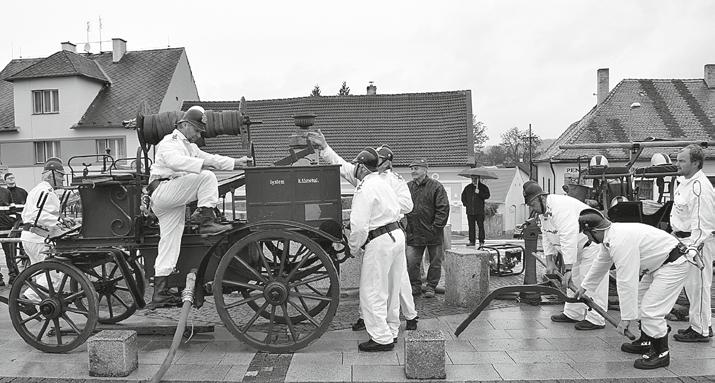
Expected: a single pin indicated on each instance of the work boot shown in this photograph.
(372, 346)
(359, 325)
(640, 346)
(586, 325)
(562, 318)
(162, 297)
(658, 356)
(685, 330)
(206, 219)
(690, 336)
(411, 324)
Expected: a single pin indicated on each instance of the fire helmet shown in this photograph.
(598, 161)
(54, 164)
(384, 152)
(532, 190)
(195, 116)
(660, 159)
(616, 200)
(592, 220)
(367, 157)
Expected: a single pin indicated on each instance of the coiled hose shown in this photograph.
(187, 297)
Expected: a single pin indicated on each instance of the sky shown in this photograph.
(525, 62)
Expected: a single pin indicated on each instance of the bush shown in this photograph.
(490, 209)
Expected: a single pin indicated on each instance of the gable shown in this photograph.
(415, 125)
(7, 98)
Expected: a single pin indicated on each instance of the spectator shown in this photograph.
(12, 195)
(473, 197)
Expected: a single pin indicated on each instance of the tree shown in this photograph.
(492, 156)
(516, 145)
(479, 130)
(344, 90)
(315, 91)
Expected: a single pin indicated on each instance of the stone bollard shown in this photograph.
(113, 353)
(466, 276)
(424, 355)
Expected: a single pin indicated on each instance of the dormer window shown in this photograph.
(45, 101)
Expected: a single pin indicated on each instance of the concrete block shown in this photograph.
(113, 353)
(466, 276)
(424, 355)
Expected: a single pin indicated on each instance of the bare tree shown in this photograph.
(479, 130)
(315, 91)
(516, 144)
(344, 90)
(492, 156)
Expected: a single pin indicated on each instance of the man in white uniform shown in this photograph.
(398, 184)
(34, 232)
(559, 229)
(181, 174)
(638, 251)
(693, 222)
(375, 228)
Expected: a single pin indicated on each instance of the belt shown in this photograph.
(382, 230)
(155, 184)
(674, 255)
(682, 234)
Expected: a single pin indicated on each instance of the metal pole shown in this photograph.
(531, 161)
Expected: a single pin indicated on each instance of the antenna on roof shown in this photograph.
(100, 34)
(168, 42)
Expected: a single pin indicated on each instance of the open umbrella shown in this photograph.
(481, 172)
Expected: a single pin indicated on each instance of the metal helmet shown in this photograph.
(616, 200)
(592, 220)
(196, 116)
(660, 159)
(54, 164)
(367, 157)
(384, 152)
(598, 161)
(532, 190)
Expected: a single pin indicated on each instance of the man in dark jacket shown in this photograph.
(425, 226)
(473, 197)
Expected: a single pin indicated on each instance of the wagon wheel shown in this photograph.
(56, 307)
(298, 284)
(115, 302)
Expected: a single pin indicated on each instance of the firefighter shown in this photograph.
(693, 222)
(559, 227)
(374, 223)
(347, 170)
(638, 251)
(181, 174)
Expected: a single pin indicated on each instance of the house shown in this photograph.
(436, 126)
(70, 104)
(635, 110)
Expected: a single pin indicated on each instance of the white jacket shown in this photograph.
(176, 156)
(559, 226)
(50, 211)
(694, 207)
(375, 204)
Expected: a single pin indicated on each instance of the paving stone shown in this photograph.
(425, 355)
(529, 371)
(581, 343)
(379, 374)
(481, 372)
(623, 369)
(323, 372)
(516, 324)
(695, 367)
(477, 357)
(370, 358)
(112, 353)
(512, 344)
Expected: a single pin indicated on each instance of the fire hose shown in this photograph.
(545, 288)
(187, 296)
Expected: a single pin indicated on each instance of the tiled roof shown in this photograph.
(670, 109)
(429, 125)
(7, 101)
(139, 76)
(61, 64)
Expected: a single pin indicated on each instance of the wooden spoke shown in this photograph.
(244, 285)
(252, 298)
(305, 314)
(255, 316)
(42, 330)
(250, 269)
(316, 278)
(71, 323)
(291, 329)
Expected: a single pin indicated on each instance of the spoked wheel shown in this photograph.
(280, 274)
(115, 302)
(69, 314)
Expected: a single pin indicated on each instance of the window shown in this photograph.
(115, 146)
(45, 101)
(45, 150)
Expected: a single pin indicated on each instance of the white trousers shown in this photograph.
(660, 292)
(698, 287)
(407, 302)
(35, 251)
(383, 265)
(168, 202)
(579, 311)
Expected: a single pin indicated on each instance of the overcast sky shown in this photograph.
(524, 61)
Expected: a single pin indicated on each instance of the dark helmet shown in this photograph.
(196, 116)
(384, 152)
(532, 190)
(592, 219)
(54, 164)
(367, 157)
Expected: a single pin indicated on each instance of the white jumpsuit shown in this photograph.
(559, 228)
(181, 161)
(639, 249)
(34, 244)
(398, 184)
(374, 205)
(694, 212)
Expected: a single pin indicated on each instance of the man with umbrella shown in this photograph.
(473, 197)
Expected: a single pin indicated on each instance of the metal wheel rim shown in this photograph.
(64, 319)
(306, 265)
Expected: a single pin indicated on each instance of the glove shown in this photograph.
(580, 293)
(623, 326)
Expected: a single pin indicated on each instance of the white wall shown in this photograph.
(181, 88)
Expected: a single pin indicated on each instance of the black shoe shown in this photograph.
(411, 324)
(639, 346)
(372, 346)
(658, 356)
(162, 297)
(562, 318)
(586, 325)
(685, 330)
(470, 244)
(690, 337)
(359, 325)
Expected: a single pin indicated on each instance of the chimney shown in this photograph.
(119, 48)
(602, 85)
(371, 89)
(68, 46)
(710, 76)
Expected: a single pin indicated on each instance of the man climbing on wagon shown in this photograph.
(182, 173)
